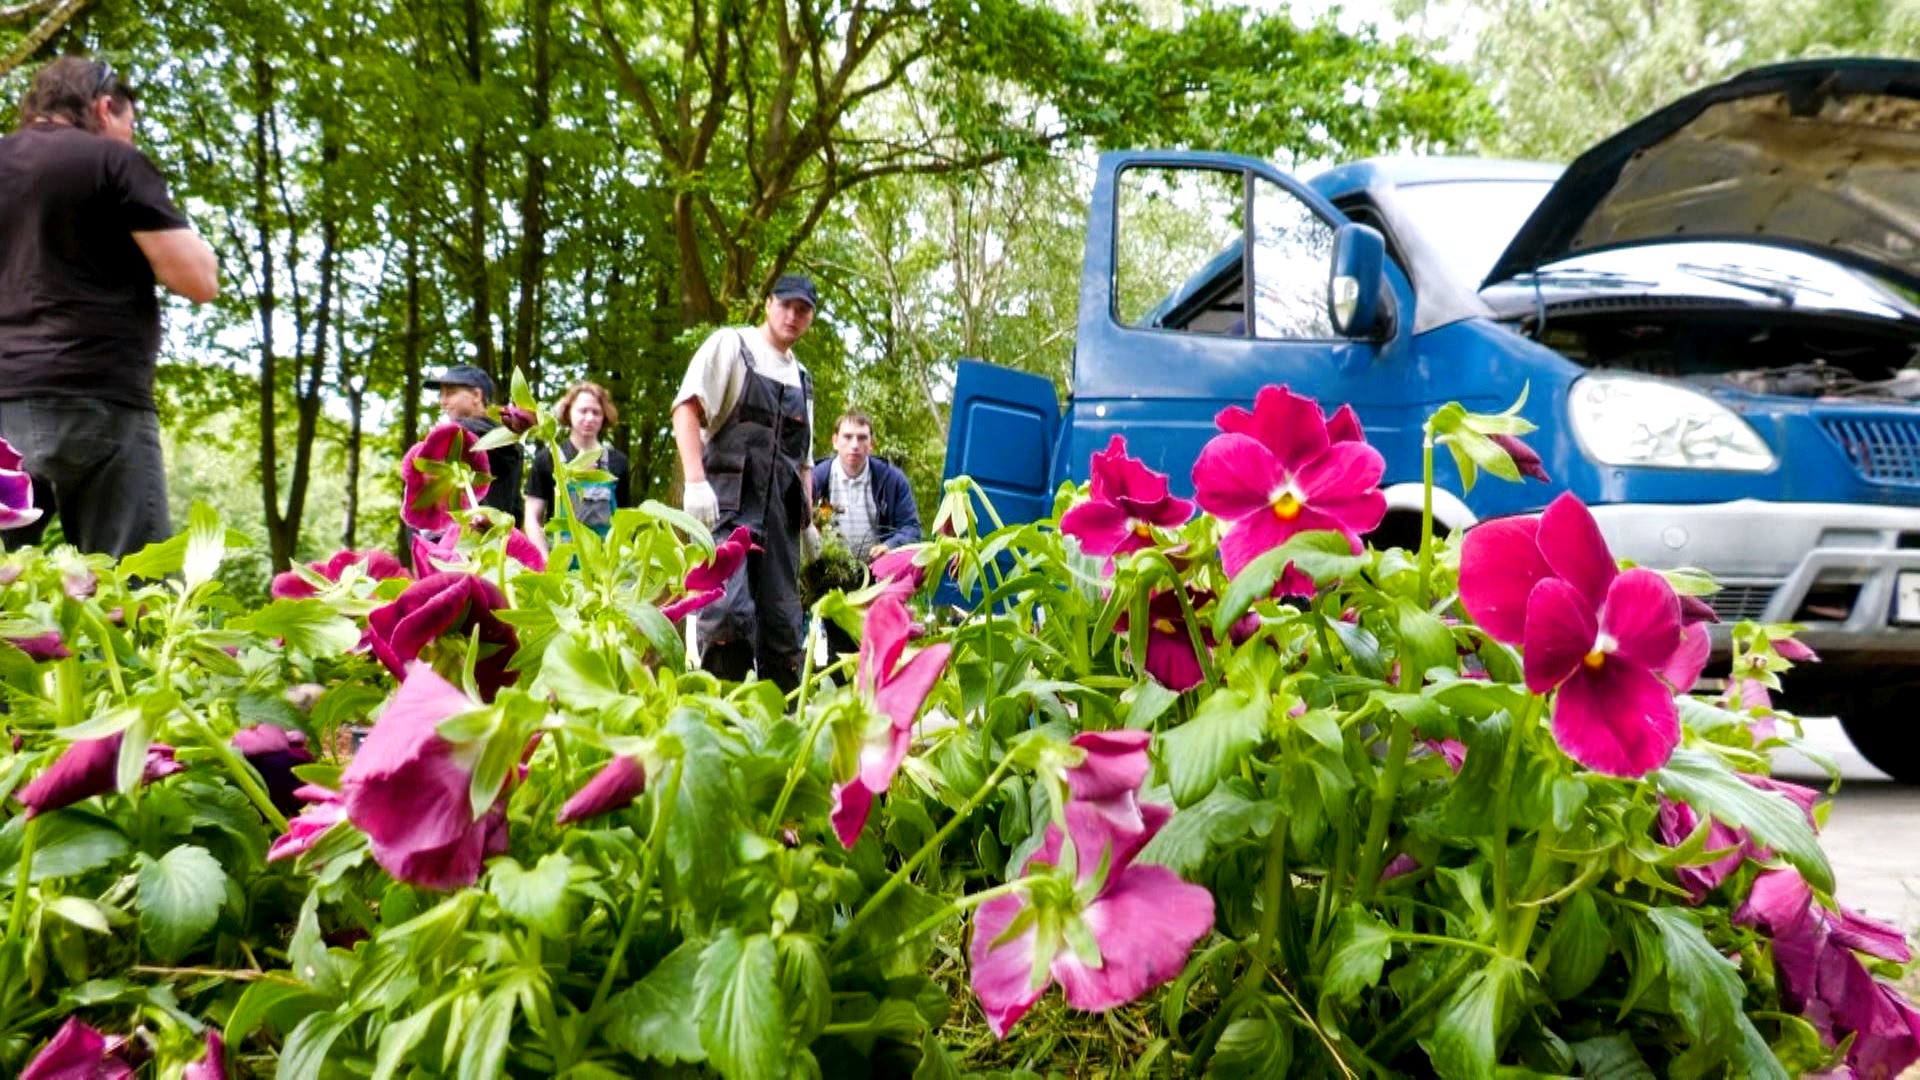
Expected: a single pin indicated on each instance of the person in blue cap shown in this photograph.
(465, 391)
(743, 423)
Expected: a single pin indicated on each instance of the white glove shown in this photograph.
(700, 501)
(810, 544)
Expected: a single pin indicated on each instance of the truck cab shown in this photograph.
(1712, 313)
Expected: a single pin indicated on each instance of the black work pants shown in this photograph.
(758, 625)
(100, 467)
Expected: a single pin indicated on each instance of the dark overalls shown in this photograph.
(755, 462)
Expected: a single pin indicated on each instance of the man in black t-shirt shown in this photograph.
(465, 391)
(86, 230)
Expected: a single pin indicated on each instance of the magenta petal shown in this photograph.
(9, 457)
(1167, 512)
(1344, 426)
(1682, 669)
(1570, 541)
(1779, 904)
(213, 1064)
(690, 603)
(1619, 719)
(1500, 563)
(1870, 936)
(41, 647)
(1116, 763)
(1561, 632)
(76, 1052)
(1642, 616)
(1291, 426)
(1524, 457)
(407, 792)
(83, 770)
(852, 802)
(1401, 864)
(898, 565)
(1790, 649)
(289, 585)
(1254, 536)
(1002, 971)
(305, 830)
(728, 555)
(1116, 476)
(1891, 1041)
(1172, 661)
(521, 550)
(1113, 832)
(1354, 514)
(882, 639)
(612, 788)
(1236, 477)
(1345, 470)
(1146, 921)
(903, 692)
(1101, 527)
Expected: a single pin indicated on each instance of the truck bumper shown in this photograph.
(1834, 568)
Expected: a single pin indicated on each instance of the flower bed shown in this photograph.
(1228, 793)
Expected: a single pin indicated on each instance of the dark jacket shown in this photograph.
(896, 519)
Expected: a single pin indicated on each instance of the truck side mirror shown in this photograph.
(1356, 289)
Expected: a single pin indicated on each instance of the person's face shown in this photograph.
(585, 416)
(461, 402)
(787, 320)
(114, 125)
(854, 444)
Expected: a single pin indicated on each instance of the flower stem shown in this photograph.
(1502, 806)
(656, 840)
(1426, 516)
(1446, 943)
(1373, 851)
(22, 881)
(798, 766)
(237, 767)
(907, 868)
(928, 924)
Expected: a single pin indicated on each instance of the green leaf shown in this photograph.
(180, 895)
(742, 1015)
(206, 545)
(270, 1001)
(536, 897)
(69, 843)
(804, 985)
(1466, 1040)
(1576, 948)
(81, 912)
(688, 525)
(1191, 836)
(1360, 947)
(308, 626)
(935, 1062)
(1704, 986)
(306, 1051)
(702, 825)
(1199, 752)
(400, 1037)
(484, 1056)
(1147, 702)
(1253, 1047)
(657, 1018)
(130, 767)
(576, 673)
(1611, 1057)
(663, 634)
(1425, 641)
(1323, 556)
(1702, 782)
(111, 722)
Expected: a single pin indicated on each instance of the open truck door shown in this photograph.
(1002, 433)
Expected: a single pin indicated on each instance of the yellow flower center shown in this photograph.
(1287, 507)
(1143, 530)
(1165, 626)
(1595, 660)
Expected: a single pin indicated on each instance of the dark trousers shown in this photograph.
(757, 626)
(98, 465)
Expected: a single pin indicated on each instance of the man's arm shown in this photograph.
(688, 419)
(182, 262)
(902, 512)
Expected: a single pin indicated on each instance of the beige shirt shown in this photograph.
(716, 376)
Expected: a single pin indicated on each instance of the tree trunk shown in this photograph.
(265, 304)
(480, 325)
(410, 358)
(533, 222)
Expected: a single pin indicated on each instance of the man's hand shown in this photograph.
(876, 551)
(700, 501)
(810, 544)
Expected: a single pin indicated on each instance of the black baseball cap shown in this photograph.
(796, 287)
(464, 375)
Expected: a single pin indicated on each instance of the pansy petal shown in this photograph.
(1344, 426)
(1354, 515)
(1101, 527)
(1254, 536)
(1172, 661)
(882, 640)
(1870, 936)
(1779, 903)
(1167, 512)
(1002, 975)
(1618, 719)
(1561, 631)
(1344, 471)
(1500, 563)
(1146, 922)
(852, 801)
(1642, 616)
(1571, 542)
(1115, 762)
(1682, 670)
(1291, 426)
(1235, 477)
(903, 692)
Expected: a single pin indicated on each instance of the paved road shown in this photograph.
(1870, 835)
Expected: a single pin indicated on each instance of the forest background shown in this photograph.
(583, 188)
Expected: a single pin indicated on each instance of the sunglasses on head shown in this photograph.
(106, 82)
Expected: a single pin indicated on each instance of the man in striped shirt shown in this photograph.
(873, 507)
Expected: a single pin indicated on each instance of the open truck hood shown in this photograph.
(1823, 156)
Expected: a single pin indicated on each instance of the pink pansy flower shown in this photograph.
(1125, 502)
(434, 552)
(212, 1065)
(427, 498)
(1678, 821)
(42, 647)
(1524, 457)
(896, 689)
(1105, 928)
(80, 583)
(407, 788)
(1822, 978)
(16, 491)
(1113, 766)
(274, 752)
(375, 564)
(896, 568)
(86, 769)
(78, 1052)
(1170, 656)
(1604, 639)
(1277, 472)
(1453, 750)
(707, 583)
(617, 784)
(449, 603)
(324, 810)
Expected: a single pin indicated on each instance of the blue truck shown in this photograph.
(1715, 314)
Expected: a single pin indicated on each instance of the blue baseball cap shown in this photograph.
(796, 287)
(464, 375)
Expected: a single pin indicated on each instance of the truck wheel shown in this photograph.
(1876, 721)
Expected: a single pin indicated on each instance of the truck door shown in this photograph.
(1002, 434)
(1206, 279)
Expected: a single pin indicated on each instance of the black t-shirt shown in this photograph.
(504, 463)
(594, 503)
(78, 314)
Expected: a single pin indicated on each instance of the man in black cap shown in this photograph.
(465, 391)
(743, 423)
(87, 229)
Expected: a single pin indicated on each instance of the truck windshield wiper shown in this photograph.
(1782, 287)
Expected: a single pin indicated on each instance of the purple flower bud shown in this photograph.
(1523, 457)
(86, 770)
(213, 1066)
(516, 419)
(77, 1052)
(274, 752)
(47, 646)
(616, 785)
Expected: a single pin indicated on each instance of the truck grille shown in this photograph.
(1734, 603)
(1885, 451)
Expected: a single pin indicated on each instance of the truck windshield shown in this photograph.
(1469, 223)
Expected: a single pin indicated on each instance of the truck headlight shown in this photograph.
(1625, 420)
